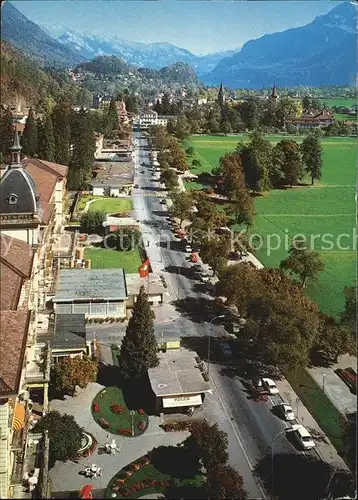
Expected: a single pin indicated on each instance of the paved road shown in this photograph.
(251, 426)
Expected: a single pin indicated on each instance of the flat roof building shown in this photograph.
(99, 293)
(178, 381)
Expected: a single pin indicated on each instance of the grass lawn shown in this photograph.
(84, 199)
(104, 258)
(116, 421)
(340, 102)
(312, 396)
(346, 118)
(325, 210)
(112, 205)
(150, 472)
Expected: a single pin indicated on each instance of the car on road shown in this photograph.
(163, 201)
(225, 349)
(203, 277)
(188, 248)
(269, 385)
(136, 186)
(303, 437)
(285, 411)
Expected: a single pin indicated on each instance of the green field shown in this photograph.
(345, 118)
(339, 102)
(325, 211)
(112, 205)
(104, 258)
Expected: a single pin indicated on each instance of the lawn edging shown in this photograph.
(319, 406)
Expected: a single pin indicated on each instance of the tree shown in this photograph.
(256, 161)
(46, 140)
(225, 127)
(139, 345)
(312, 156)
(92, 221)
(208, 212)
(190, 151)
(214, 252)
(194, 126)
(182, 206)
(69, 373)
(182, 129)
(224, 482)
(179, 161)
(349, 315)
(82, 157)
(290, 161)
(250, 112)
(196, 163)
(112, 122)
(232, 175)
(65, 435)
(301, 262)
(62, 132)
(7, 131)
(29, 136)
(333, 339)
(169, 177)
(208, 443)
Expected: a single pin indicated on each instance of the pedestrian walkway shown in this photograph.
(324, 447)
(334, 387)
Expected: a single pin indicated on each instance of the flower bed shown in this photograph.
(176, 426)
(349, 377)
(111, 413)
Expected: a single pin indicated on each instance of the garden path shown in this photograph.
(334, 387)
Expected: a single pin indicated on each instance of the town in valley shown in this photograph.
(178, 250)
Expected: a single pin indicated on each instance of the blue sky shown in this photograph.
(200, 26)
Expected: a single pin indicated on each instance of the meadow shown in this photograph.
(325, 210)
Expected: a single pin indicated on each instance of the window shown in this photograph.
(12, 199)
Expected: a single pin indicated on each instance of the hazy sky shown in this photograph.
(200, 26)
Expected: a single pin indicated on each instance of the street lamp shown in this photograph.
(323, 380)
(211, 323)
(272, 455)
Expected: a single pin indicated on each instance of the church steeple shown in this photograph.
(221, 95)
(15, 151)
(274, 93)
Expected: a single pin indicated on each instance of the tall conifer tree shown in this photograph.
(83, 141)
(46, 140)
(62, 132)
(139, 346)
(6, 132)
(112, 122)
(29, 136)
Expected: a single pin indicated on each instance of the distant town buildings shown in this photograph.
(100, 101)
(309, 120)
(149, 117)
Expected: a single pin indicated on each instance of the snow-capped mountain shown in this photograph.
(152, 55)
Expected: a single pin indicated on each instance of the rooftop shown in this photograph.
(91, 284)
(134, 282)
(177, 373)
(114, 174)
(66, 330)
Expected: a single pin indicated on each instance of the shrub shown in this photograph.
(95, 407)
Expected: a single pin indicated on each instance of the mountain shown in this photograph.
(33, 41)
(152, 55)
(113, 68)
(323, 52)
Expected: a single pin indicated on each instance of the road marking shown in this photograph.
(238, 437)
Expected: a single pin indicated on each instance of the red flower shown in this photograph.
(141, 411)
(95, 407)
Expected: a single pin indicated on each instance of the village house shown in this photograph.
(149, 117)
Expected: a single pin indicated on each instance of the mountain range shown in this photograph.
(151, 55)
(323, 52)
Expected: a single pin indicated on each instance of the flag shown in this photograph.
(144, 269)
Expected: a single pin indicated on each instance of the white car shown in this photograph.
(303, 437)
(286, 411)
(188, 248)
(225, 349)
(269, 385)
(204, 277)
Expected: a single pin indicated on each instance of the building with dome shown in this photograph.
(31, 218)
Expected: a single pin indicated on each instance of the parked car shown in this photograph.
(163, 201)
(136, 185)
(225, 349)
(303, 437)
(188, 248)
(285, 411)
(269, 385)
(203, 277)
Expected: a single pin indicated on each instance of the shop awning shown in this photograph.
(19, 417)
(182, 401)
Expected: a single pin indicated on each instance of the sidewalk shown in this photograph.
(324, 447)
(334, 387)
